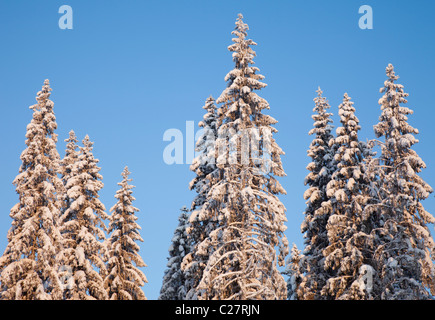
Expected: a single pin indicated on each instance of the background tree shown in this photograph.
(67, 165)
(70, 158)
(201, 224)
(175, 284)
(293, 271)
(83, 229)
(349, 254)
(317, 212)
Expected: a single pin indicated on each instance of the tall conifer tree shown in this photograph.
(124, 278)
(406, 247)
(83, 228)
(29, 270)
(243, 199)
(317, 212)
(201, 224)
(349, 254)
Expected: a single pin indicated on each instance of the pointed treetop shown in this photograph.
(241, 27)
(72, 137)
(209, 105)
(87, 143)
(321, 103)
(390, 72)
(43, 96)
(347, 104)
(46, 88)
(346, 111)
(319, 92)
(71, 145)
(242, 52)
(126, 173)
(394, 96)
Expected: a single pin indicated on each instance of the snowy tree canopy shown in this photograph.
(124, 278)
(365, 230)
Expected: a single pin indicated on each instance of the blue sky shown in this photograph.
(130, 70)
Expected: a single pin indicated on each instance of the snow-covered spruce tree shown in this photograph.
(204, 166)
(67, 164)
(349, 255)
(174, 279)
(70, 158)
(124, 278)
(293, 272)
(205, 163)
(243, 199)
(28, 266)
(82, 266)
(316, 213)
(406, 248)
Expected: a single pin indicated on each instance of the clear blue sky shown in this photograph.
(130, 70)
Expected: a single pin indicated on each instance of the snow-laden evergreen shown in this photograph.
(124, 278)
(82, 227)
(204, 166)
(349, 228)
(29, 270)
(294, 273)
(205, 163)
(405, 246)
(70, 158)
(175, 282)
(243, 198)
(67, 164)
(316, 213)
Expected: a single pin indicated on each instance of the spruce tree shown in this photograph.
(174, 286)
(293, 272)
(243, 198)
(201, 224)
(83, 228)
(405, 246)
(70, 158)
(124, 278)
(349, 254)
(67, 165)
(29, 270)
(317, 212)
